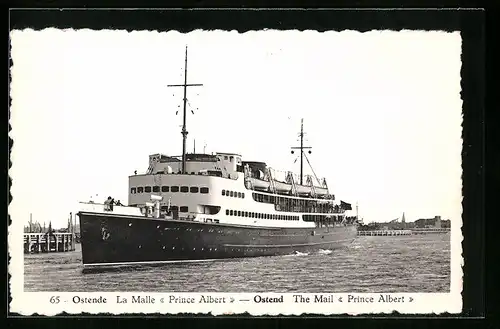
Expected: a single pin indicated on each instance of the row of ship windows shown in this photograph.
(175, 208)
(240, 213)
(173, 189)
(233, 194)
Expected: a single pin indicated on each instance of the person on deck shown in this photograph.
(107, 204)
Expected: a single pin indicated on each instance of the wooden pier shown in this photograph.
(35, 243)
(413, 231)
(384, 233)
(416, 231)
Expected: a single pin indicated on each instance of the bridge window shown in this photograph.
(223, 192)
(204, 190)
(227, 212)
(183, 209)
(156, 189)
(184, 189)
(133, 190)
(225, 157)
(193, 189)
(174, 208)
(147, 189)
(140, 189)
(174, 189)
(164, 188)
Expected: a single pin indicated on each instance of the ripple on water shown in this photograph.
(369, 264)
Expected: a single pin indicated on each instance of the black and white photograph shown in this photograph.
(235, 171)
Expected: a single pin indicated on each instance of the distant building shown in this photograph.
(435, 222)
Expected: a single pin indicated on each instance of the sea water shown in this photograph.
(416, 263)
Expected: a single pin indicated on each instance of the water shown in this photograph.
(370, 264)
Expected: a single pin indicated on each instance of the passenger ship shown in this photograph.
(214, 206)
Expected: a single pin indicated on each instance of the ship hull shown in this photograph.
(110, 240)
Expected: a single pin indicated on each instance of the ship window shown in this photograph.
(183, 209)
(243, 195)
(174, 208)
(204, 190)
(246, 213)
(133, 190)
(223, 192)
(238, 213)
(165, 189)
(140, 189)
(252, 214)
(230, 193)
(239, 194)
(227, 211)
(231, 212)
(147, 189)
(174, 189)
(225, 157)
(193, 189)
(184, 189)
(156, 189)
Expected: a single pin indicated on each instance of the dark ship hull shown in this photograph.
(113, 240)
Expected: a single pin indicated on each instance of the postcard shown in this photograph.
(216, 172)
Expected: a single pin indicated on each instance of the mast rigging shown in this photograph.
(301, 148)
(184, 130)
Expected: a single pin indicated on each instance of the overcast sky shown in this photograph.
(382, 111)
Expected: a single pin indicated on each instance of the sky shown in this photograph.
(381, 109)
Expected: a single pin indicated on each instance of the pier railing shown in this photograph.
(45, 242)
(414, 231)
(384, 233)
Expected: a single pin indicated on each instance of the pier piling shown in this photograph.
(44, 243)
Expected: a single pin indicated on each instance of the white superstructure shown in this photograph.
(215, 188)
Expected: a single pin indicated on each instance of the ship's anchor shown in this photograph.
(105, 234)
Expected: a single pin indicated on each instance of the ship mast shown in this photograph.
(184, 131)
(301, 148)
